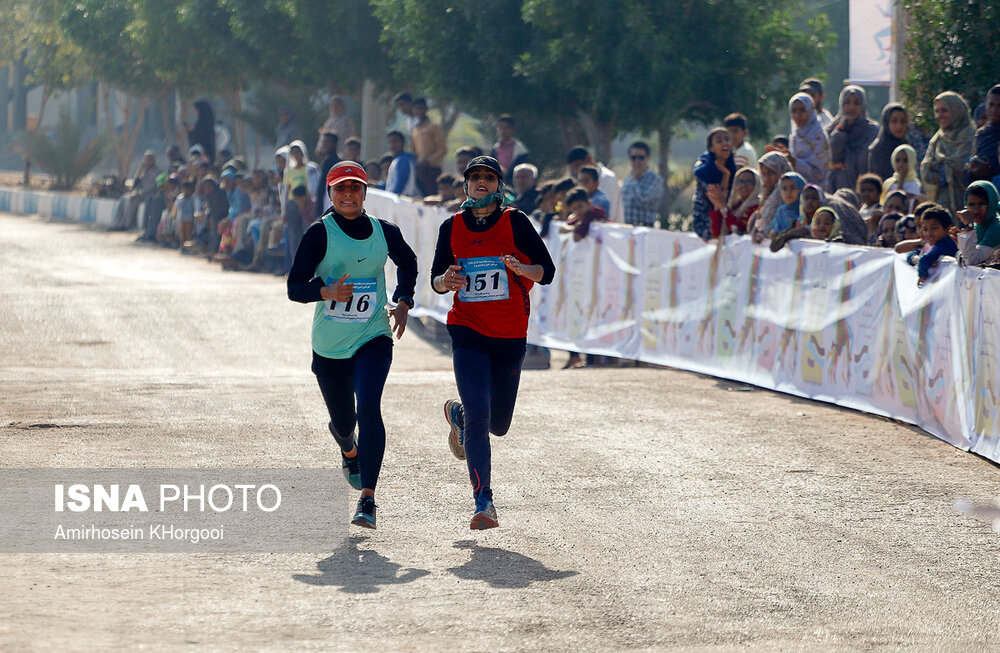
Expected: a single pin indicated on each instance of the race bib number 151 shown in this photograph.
(486, 279)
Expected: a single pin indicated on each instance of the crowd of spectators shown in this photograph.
(843, 178)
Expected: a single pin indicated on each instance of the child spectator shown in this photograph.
(582, 213)
(743, 152)
(351, 150)
(904, 162)
(717, 167)
(906, 230)
(771, 166)
(778, 144)
(787, 216)
(731, 217)
(589, 179)
(811, 198)
(384, 163)
(936, 223)
(825, 225)
(982, 236)
(869, 190)
(809, 147)
(185, 215)
(949, 149)
(891, 135)
(374, 172)
(887, 234)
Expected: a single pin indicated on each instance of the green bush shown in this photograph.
(64, 155)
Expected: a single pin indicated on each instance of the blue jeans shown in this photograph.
(487, 372)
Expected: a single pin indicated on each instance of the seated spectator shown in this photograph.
(984, 163)
(904, 162)
(887, 234)
(731, 216)
(980, 237)
(787, 215)
(770, 166)
(937, 243)
(445, 191)
(184, 206)
(588, 178)
(891, 135)
(401, 177)
(215, 209)
(809, 147)
(607, 181)
(643, 189)
(155, 206)
(869, 190)
(714, 167)
(525, 193)
(743, 152)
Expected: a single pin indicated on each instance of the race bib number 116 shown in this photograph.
(359, 308)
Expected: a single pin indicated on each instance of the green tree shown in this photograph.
(952, 46)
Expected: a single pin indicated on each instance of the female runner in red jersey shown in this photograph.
(489, 257)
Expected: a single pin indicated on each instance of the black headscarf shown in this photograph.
(880, 151)
(203, 132)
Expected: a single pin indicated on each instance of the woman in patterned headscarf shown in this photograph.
(771, 166)
(949, 149)
(851, 132)
(808, 144)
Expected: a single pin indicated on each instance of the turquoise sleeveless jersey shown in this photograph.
(341, 328)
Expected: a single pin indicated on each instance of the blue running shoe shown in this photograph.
(364, 516)
(352, 470)
(456, 420)
(486, 514)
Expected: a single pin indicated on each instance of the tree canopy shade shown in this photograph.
(953, 46)
(615, 65)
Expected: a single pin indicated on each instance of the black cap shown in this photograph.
(484, 162)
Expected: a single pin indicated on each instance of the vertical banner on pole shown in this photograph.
(871, 42)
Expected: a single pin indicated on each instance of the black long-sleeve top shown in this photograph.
(526, 239)
(303, 284)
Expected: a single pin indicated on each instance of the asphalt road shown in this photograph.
(640, 508)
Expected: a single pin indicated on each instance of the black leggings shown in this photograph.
(362, 376)
(487, 372)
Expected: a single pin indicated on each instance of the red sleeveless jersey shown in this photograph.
(494, 301)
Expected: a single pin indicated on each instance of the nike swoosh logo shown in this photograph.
(361, 259)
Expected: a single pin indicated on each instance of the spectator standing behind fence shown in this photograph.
(525, 193)
(808, 145)
(730, 217)
(588, 180)
(949, 149)
(743, 152)
(904, 177)
(814, 88)
(337, 121)
(715, 167)
(578, 158)
(509, 151)
(937, 243)
(984, 163)
(429, 147)
(891, 135)
(288, 129)
(771, 166)
(850, 133)
(401, 177)
(404, 119)
(978, 241)
(203, 132)
(642, 190)
(327, 153)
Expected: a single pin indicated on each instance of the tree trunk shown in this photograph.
(20, 96)
(238, 126)
(666, 135)
(599, 135)
(4, 98)
(46, 94)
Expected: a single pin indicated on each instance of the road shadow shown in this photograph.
(504, 569)
(359, 571)
(431, 332)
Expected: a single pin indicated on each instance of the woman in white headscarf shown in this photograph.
(808, 145)
(850, 133)
(949, 149)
